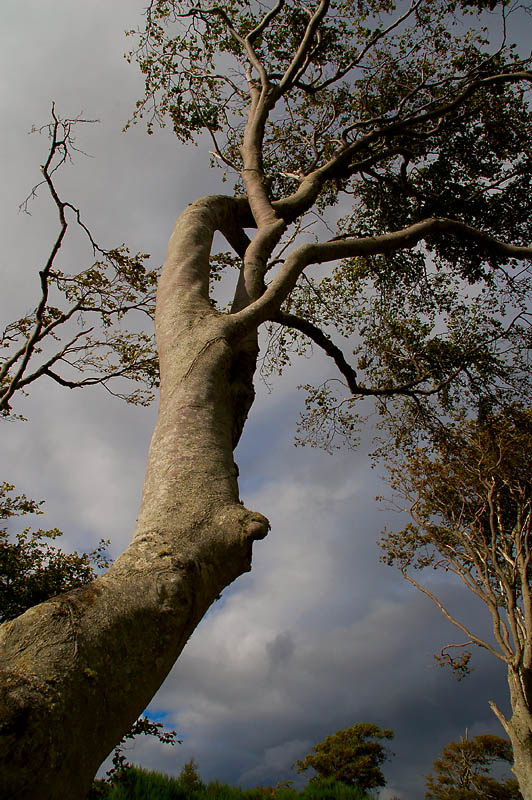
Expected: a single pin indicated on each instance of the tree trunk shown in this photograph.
(80, 668)
(519, 728)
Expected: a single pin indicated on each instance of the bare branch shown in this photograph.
(89, 292)
(471, 636)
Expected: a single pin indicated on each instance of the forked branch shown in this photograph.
(267, 306)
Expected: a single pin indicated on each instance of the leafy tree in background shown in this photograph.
(398, 111)
(469, 493)
(353, 756)
(189, 777)
(31, 569)
(463, 771)
(141, 784)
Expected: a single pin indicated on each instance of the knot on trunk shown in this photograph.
(247, 525)
(256, 526)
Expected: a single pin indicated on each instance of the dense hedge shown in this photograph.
(136, 783)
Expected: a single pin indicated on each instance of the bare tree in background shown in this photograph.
(469, 493)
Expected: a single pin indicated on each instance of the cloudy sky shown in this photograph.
(319, 635)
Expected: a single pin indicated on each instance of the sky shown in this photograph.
(319, 635)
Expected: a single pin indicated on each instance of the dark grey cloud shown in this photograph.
(281, 649)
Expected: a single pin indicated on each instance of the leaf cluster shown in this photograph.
(471, 478)
(119, 773)
(418, 332)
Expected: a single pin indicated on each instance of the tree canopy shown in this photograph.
(399, 114)
(353, 756)
(396, 112)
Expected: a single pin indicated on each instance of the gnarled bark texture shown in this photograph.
(519, 726)
(80, 668)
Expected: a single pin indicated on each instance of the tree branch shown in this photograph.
(268, 305)
(340, 164)
(327, 345)
(342, 72)
(265, 21)
(500, 716)
(475, 639)
(294, 70)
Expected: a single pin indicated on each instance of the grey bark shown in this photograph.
(518, 727)
(77, 670)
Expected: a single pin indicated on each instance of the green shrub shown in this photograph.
(99, 790)
(136, 783)
(331, 789)
(286, 793)
(189, 778)
(219, 791)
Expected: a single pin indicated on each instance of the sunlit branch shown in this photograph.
(496, 531)
(348, 246)
(342, 72)
(265, 21)
(340, 164)
(293, 71)
(460, 664)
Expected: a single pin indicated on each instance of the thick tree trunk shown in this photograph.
(522, 767)
(519, 729)
(519, 726)
(79, 669)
